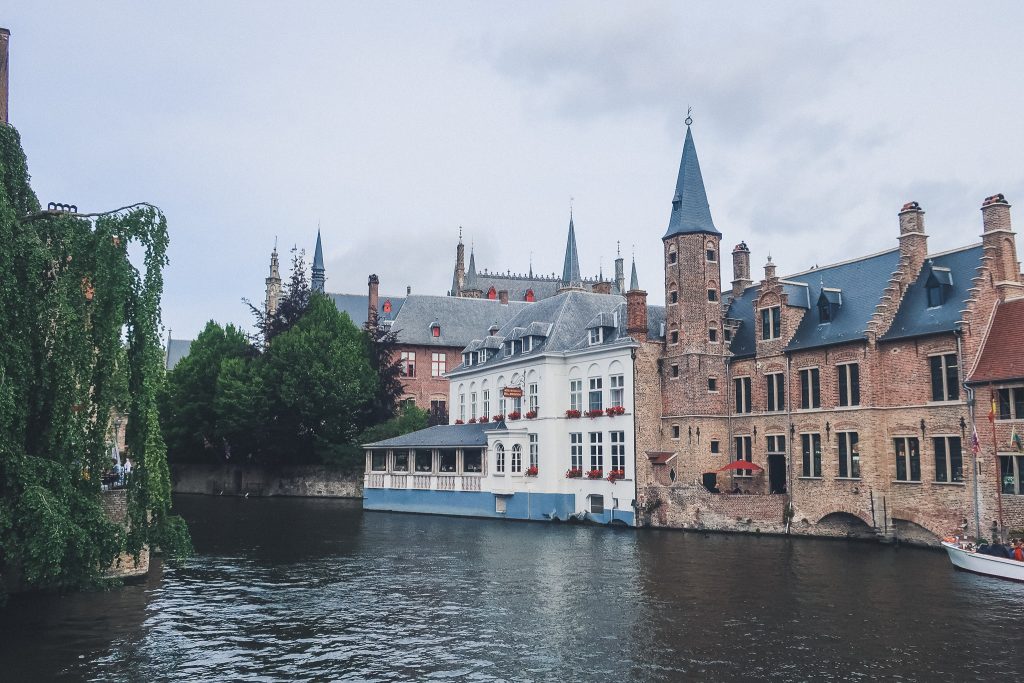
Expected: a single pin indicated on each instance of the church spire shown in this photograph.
(634, 284)
(472, 263)
(571, 266)
(690, 210)
(273, 284)
(317, 284)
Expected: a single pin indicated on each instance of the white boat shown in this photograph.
(978, 563)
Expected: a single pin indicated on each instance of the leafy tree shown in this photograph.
(386, 362)
(241, 408)
(290, 307)
(409, 419)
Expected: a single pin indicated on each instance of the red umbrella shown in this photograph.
(740, 465)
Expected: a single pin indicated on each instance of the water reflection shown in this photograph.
(316, 589)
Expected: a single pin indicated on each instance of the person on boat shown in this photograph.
(1018, 550)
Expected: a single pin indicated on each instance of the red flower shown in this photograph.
(573, 473)
(572, 413)
(531, 414)
(514, 415)
(472, 420)
(459, 422)
(595, 474)
(615, 475)
(499, 417)
(614, 410)
(595, 413)
(531, 471)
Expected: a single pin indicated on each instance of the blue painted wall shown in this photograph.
(522, 505)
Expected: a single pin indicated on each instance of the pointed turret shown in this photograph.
(634, 284)
(690, 210)
(472, 264)
(273, 284)
(571, 267)
(459, 277)
(317, 283)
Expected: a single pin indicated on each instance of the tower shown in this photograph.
(273, 284)
(459, 278)
(317, 283)
(620, 277)
(571, 278)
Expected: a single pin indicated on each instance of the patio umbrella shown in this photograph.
(740, 465)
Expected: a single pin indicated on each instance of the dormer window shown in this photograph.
(530, 295)
(771, 323)
(828, 304)
(492, 293)
(938, 285)
(435, 329)
(596, 335)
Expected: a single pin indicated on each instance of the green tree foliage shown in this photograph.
(383, 350)
(291, 306)
(409, 419)
(79, 336)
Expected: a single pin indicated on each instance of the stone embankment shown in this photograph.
(125, 565)
(235, 480)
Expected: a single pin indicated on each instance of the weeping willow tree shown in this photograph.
(79, 325)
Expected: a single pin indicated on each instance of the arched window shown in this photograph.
(529, 295)
(672, 255)
(673, 294)
(499, 458)
(517, 459)
(492, 293)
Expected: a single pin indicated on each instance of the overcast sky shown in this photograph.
(392, 124)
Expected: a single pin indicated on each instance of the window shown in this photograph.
(712, 335)
(595, 336)
(1011, 403)
(517, 459)
(618, 390)
(408, 367)
(742, 444)
(712, 295)
(378, 461)
(618, 451)
(517, 404)
(714, 446)
(486, 412)
(401, 461)
(534, 397)
(908, 458)
(1011, 468)
(576, 394)
(810, 388)
(472, 406)
(776, 446)
(596, 505)
(728, 334)
(534, 450)
(675, 431)
(712, 384)
(446, 460)
(472, 461)
(673, 297)
(771, 323)
(776, 391)
(674, 336)
(596, 451)
(437, 364)
(849, 384)
(934, 294)
(576, 450)
(424, 460)
(824, 310)
(711, 256)
(435, 330)
(440, 408)
(741, 387)
(949, 460)
(499, 458)
(849, 455)
(945, 377)
(672, 257)
(530, 296)
(462, 407)
(811, 449)
(596, 395)
(675, 370)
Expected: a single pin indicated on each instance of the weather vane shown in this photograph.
(689, 116)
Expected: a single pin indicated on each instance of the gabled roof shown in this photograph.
(462, 320)
(442, 436)
(1001, 358)
(914, 318)
(358, 306)
(690, 210)
(543, 287)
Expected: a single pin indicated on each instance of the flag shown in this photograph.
(975, 444)
(992, 412)
(1015, 440)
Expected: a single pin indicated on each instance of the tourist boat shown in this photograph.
(972, 561)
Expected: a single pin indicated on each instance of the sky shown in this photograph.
(391, 124)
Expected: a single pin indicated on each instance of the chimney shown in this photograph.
(5, 39)
(408, 290)
(602, 288)
(995, 213)
(998, 239)
(636, 313)
(372, 306)
(503, 296)
(913, 240)
(740, 268)
(769, 272)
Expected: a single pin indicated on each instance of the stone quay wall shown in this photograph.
(125, 565)
(236, 480)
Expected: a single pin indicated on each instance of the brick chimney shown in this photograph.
(636, 313)
(602, 288)
(5, 39)
(503, 296)
(998, 239)
(913, 240)
(740, 268)
(373, 305)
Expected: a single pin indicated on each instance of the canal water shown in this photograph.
(305, 589)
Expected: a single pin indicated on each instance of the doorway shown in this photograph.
(777, 472)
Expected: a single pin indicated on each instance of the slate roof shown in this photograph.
(862, 282)
(462, 320)
(690, 210)
(358, 305)
(442, 436)
(176, 350)
(1001, 358)
(542, 286)
(915, 318)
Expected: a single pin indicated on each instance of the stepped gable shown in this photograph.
(955, 271)
(1001, 359)
(461, 320)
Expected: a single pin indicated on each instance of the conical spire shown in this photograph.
(317, 283)
(634, 284)
(472, 264)
(571, 267)
(690, 210)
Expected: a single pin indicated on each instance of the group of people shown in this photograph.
(1013, 551)
(117, 476)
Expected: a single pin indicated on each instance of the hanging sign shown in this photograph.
(512, 392)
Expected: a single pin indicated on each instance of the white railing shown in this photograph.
(399, 481)
(425, 482)
(421, 481)
(471, 483)
(374, 481)
(446, 483)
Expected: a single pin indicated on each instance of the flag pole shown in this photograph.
(995, 454)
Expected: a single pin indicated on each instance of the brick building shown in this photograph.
(842, 385)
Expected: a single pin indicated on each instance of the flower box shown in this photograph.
(531, 414)
(472, 420)
(615, 475)
(595, 474)
(614, 410)
(572, 413)
(514, 415)
(531, 471)
(498, 418)
(573, 473)
(594, 413)
(459, 422)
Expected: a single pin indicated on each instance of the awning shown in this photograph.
(661, 457)
(740, 465)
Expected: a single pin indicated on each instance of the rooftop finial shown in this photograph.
(460, 234)
(689, 117)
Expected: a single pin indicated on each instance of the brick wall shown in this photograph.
(115, 505)
(424, 388)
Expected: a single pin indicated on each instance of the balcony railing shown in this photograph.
(423, 482)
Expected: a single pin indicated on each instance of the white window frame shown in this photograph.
(597, 451)
(576, 394)
(576, 450)
(499, 458)
(438, 364)
(534, 450)
(618, 440)
(618, 390)
(596, 389)
(517, 460)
